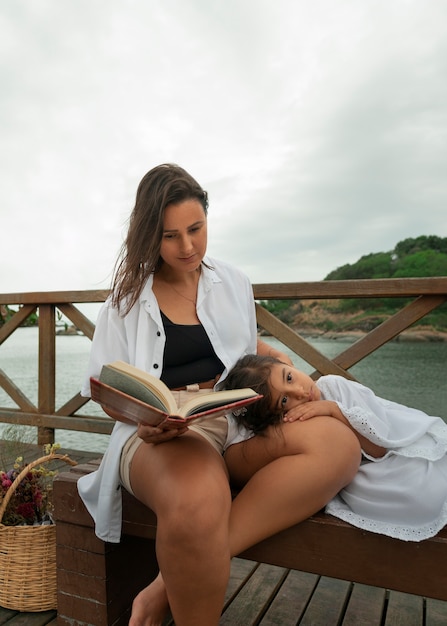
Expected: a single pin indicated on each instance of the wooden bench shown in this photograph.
(97, 581)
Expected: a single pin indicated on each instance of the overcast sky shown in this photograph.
(318, 129)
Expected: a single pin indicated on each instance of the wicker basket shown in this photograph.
(28, 556)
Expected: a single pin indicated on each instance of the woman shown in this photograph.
(400, 489)
(187, 318)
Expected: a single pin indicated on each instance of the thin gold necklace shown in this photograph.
(183, 296)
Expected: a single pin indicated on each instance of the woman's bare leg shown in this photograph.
(289, 475)
(151, 606)
(184, 481)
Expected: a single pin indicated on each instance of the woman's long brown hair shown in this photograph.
(140, 253)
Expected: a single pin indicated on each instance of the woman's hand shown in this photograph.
(149, 434)
(155, 435)
(265, 349)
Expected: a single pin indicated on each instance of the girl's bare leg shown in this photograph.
(185, 482)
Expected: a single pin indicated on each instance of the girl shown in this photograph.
(400, 489)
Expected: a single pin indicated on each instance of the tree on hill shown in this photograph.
(374, 265)
(422, 263)
(424, 242)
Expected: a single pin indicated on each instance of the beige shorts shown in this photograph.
(214, 430)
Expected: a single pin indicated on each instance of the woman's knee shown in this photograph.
(199, 496)
(200, 509)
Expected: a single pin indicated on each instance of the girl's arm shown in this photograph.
(330, 408)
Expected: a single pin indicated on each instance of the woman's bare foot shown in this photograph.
(150, 607)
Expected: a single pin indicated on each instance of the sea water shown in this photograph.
(412, 373)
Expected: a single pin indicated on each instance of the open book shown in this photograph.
(136, 396)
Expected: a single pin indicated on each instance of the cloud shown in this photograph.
(318, 129)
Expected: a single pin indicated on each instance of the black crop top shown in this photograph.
(189, 356)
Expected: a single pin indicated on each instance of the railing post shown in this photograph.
(47, 369)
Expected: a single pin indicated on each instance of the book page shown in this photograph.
(206, 401)
(140, 384)
(126, 407)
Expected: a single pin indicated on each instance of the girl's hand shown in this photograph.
(315, 408)
(329, 408)
(155, 435)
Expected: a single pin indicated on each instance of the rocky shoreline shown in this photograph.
(411, 335)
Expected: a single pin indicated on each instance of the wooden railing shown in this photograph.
(426, 293)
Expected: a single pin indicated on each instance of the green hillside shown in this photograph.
(423, 256)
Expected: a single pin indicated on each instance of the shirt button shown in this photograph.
(155, 366)
(158, 333)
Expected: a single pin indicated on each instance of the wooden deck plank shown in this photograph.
(13, 618)
(404, 610)
(249, 604)
(291, 601)
(5, 615)
(436, 612)
(241, 571)
(327, 603)
(366, 606)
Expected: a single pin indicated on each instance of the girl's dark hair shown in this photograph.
(254, 371)
(140, 253)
